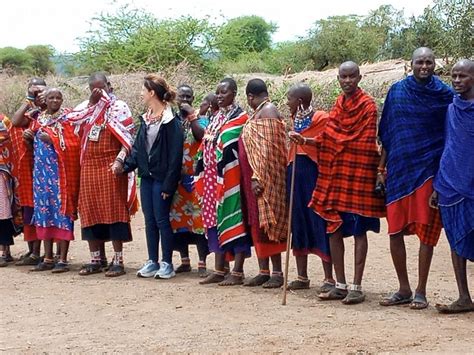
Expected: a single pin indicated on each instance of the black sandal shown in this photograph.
(89, 269)
(43, 266)
(115, 270)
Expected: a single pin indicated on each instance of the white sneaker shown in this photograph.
(149, 269)
(166, 271)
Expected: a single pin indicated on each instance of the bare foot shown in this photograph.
(212, 279)
(234, 279)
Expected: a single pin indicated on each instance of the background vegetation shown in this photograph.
(199, 52)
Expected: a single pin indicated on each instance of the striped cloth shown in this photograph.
(348, 158)
(455, 179)
(265, 144)
(412, 133)
(230, 223)
(458, 221)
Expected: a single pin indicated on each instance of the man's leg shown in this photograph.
(276, 280)
(263, 274)
(360, 256)
(399, 258)
(355, 294)
(425, 256)
(336, 244)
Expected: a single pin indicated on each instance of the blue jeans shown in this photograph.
(157, 220)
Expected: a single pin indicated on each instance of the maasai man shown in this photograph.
(186, 220)
(10, 213)
(454, 182)
(22, 141)
(412, 135)
(308, 228)
(105, 201)
(344, 195)
(158, 154)
(263, 158)
(218, 185)
(56, 151)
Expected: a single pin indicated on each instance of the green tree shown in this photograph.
(132, 40)
(41, 55)
(340, 38)
(244, 34)
(15, 60)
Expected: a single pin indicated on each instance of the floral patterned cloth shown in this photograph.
(185, 212)
(46, 192)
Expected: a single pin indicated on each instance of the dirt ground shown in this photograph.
(68, 313)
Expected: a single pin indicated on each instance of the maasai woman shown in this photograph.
(218, 185)
(22, 141)
(186, 220)
(55, 181)
(308, 228)
(10, 216)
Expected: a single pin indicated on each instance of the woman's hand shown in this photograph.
(28, 135)
(43, 136)
(296, 137)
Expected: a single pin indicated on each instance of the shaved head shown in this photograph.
(302, 91)
(349, 66)
(422, 52)
(465, 64)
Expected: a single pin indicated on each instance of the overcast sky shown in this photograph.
(60, 22)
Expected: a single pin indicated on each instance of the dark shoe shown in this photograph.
(89, 269)
(60, 267)
(30, 260)
(43, 266)
(3, 261)
(115, 270)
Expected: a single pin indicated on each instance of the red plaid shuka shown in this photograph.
(264, 140)
(348, 160)
(68, 148)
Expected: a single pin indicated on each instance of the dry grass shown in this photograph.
(377, 79)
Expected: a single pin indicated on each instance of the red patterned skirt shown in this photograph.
(102, 195)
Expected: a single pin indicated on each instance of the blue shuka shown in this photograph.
(455, 179)
(412, 133)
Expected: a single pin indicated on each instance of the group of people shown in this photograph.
(224, 179)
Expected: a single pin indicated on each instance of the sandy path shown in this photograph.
(46, 313)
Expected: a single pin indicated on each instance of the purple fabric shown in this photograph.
(213, 242)
(455, 179)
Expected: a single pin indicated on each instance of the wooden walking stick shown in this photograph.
(289, 235)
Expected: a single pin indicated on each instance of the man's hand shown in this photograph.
(257, 189)
(434, 200)
(96, 94)
(116, 167)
